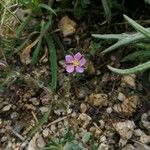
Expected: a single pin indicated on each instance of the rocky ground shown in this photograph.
(114, 109)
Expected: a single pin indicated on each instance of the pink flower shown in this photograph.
(75, 63)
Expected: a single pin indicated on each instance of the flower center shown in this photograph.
(75, 63)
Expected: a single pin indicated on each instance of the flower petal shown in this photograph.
(77, 56)
(79, 69)
(70, 68)
(69, 58)
(82, 61)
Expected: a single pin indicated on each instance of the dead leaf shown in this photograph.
(25, 53)
(67, 26)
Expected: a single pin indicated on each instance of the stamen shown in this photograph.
(75, 63)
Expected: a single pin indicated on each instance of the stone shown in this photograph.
(34, 101)
(129, 80)
(7, 107)
(98, 100)
(14, 115)
(129, 147)
(103, 146)
(84, 120)
(121, 96)
(46, 132)
(43, 109)
(83, 108)
(125, 129)
(109, 110)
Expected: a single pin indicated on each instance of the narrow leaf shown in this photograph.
(125, 41)
(23, 25)
(36, 52)
(107, 9)
(111, 36)
(24, 43)
(38, 47)
(137, 26)
(47, 8)
(43, 120)
(53, 61)
(137, 69)
(139, 55)
(57, 39)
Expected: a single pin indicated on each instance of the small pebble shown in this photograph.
(34, 101)
(23, 145)
(125, 129)
(121, 96)
(40, 142)
(103, 138)
(43, 109)
(60, 125)
(98, 133)
(14, 115)
(30, 107)
(103, 146)
(109, 110)
(18, 127)
(66, 123)
(84, 120)
(9, 146)
(129, 147)
(129, 80)
(138, 132)
(7, 107)
(145, 138)
(98, 100)
(3, 139)
(83, 108)
(102, 124)
(46, 132)
(53, 128)
(74, 115)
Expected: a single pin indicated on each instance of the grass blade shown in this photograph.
(44, 29)
(38, 47)
(107, 9)
(23, 25)
(24, 43)
(42, 121)
(57, 39)
(36, 52)
(137, 69)
(137, 26)
(53, 61)
(47, 8)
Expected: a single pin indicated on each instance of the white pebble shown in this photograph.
(7, 107)
(121, 96)
(109, 110)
